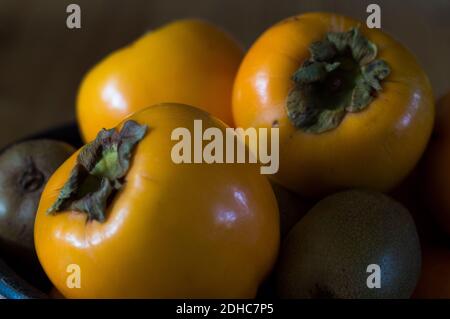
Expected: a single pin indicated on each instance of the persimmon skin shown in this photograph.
(434, 282)
(375, 148)
(187, 61)
(172, 231)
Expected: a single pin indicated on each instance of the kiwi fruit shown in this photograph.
(328, 252)
(25, 168)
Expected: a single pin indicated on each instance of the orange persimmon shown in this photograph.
(187, 61)
(353, 106)
(139, 225)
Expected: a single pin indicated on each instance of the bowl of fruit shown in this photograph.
(142, 197)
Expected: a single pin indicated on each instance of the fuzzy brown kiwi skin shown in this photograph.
(24, 170)
(327, 253)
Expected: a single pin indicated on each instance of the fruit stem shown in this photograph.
(99, 172)
(341, 76)
(32, 178)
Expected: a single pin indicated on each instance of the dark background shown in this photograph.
(42, 62)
